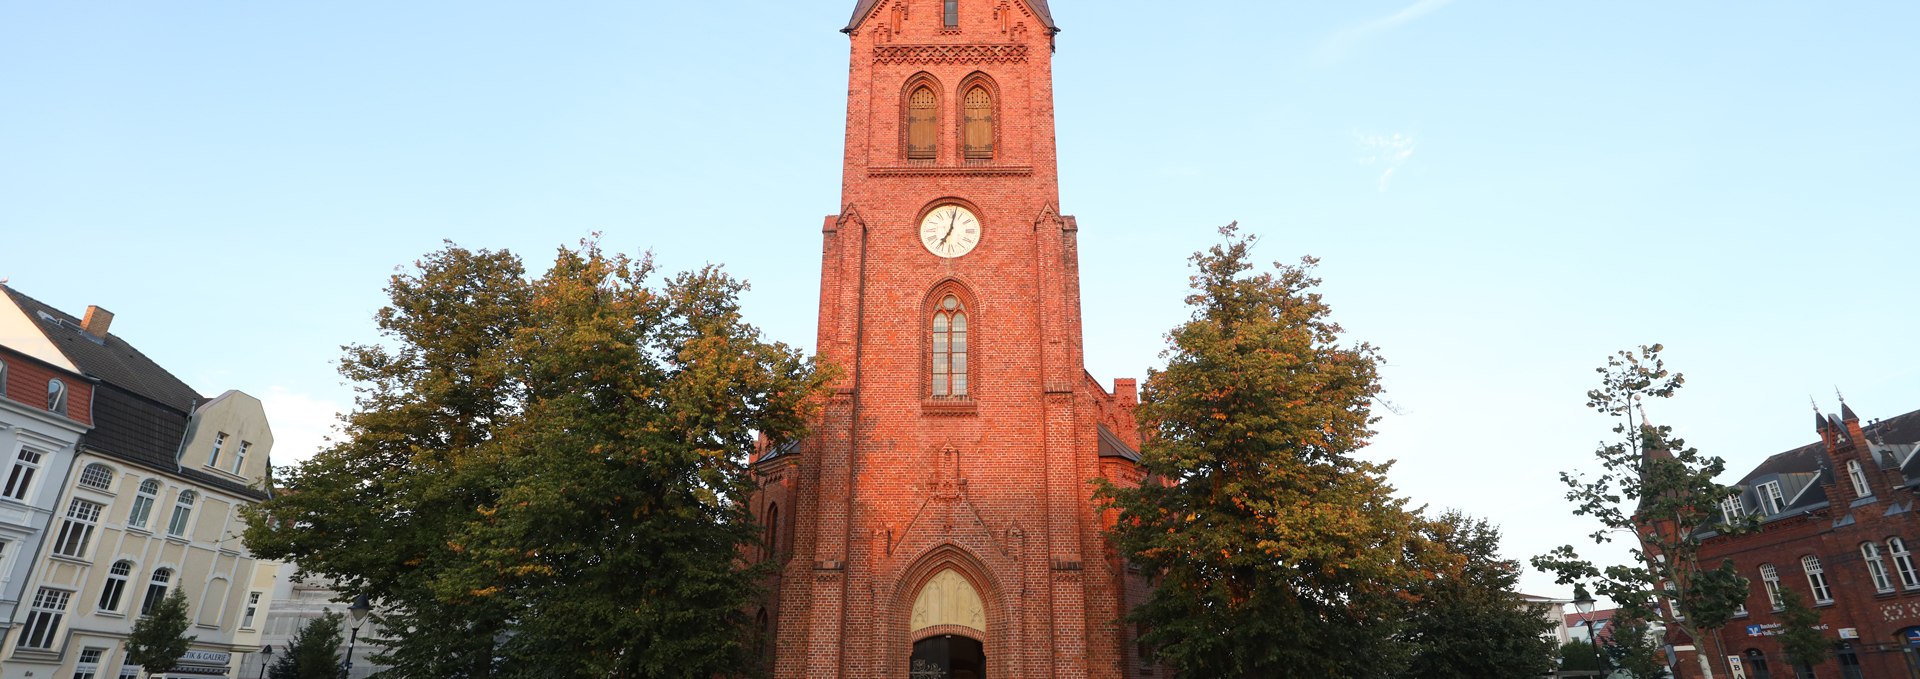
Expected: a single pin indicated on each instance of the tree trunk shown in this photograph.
(1706, 666)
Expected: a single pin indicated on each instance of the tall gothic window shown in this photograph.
(922, 138)
(950, 349)
(773, 530)
(1859, 477)
(979, 125)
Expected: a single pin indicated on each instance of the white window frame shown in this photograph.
(253, 610)
(57, 396)
(144, 499)
(1859, 476)
(76, 531)
(42, 627)
(180, 524)
(1876, 567)
(240, 456)
(1771, 577)
(1731, 509)
(85, 668)
(3, 378)
(219, 441)
(88, 476)
(115, 587)
(1771, 499)
(1817, 579)
(26, 466)
(1903, 563)
(162, 578)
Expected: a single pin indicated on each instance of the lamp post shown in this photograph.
(358, 612)
(266, 658)
(1583, 602)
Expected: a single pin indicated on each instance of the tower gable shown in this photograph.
(866, 7)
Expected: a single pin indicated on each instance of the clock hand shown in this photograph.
(951, 216)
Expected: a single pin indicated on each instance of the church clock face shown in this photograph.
(950, 231)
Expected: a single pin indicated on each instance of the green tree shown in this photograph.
(314, 651)
(546, 477)
(1800, 633)
(1653, 487)
(159, 638)
(1467, 622)
(1277, 553)
(1580, 656)
(1634, 646)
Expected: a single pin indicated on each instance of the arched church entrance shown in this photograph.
(948, 657)
(948, 615)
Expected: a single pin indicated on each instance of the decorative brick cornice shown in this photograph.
(949, 54)
(950, 171)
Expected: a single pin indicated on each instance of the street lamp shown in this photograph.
(1583, 602)
(266, 658)
(358, 613)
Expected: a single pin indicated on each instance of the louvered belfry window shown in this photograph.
(950, 349)
(979, 129)
(921, 137)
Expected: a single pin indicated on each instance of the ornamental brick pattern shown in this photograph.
(895, 487)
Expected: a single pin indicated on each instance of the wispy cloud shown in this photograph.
(1337, 45)
(1386, 151)
(301, 424)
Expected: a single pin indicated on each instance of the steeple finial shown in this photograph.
(1819, 421)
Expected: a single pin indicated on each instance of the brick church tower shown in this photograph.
(939, 521)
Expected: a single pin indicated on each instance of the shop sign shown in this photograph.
(1849, 633)
(1773, 628)
(207, 657)
(1739, 670)
(1912, 635)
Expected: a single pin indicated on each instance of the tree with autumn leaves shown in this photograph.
(545, 476)
(1276, 551)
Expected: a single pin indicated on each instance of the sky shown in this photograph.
(1501, 194)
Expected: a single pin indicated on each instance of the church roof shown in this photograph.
(865, 7)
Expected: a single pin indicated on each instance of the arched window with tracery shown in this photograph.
(979, 124)
(950, 349)
(922, 135)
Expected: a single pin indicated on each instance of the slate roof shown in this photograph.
(1112, 446)
(865, 7)
(111, 359)
(1802, 471)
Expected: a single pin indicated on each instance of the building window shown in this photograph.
(979, 127)
(1876, 567)
(77, 531)
(182, 514)
(3, 378)
(143, 504)
(1903, 563)
(1673, 600)
(88, 665)
(156, 591)
(1771, 577)
(1849, 663)
(1770, 498)
(20, 479)
(1731, 510)
(1757, 664)
(1859, 476)
(253, 608)
(43, 620)
(773, 530)
(57, 397)
(96, 476)
(951, 16)
(116, 585)
(219, 441)
(922, 119)
(240, 456)
(1816, 579)
(1802, 670)
(950, 349)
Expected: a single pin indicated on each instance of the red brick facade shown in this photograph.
(26, 380)
(897, 485)
(1869, 610)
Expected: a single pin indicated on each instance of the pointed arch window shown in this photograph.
(773, 530)
(979, 123)
(922, 138)
(950, 349)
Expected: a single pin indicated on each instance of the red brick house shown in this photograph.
(939, 521)
(1838, 526)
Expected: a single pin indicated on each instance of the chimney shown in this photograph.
(97, 321)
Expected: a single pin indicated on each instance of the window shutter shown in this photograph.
(979, 129)
(921, 138)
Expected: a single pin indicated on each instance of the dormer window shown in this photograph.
(1771, 500)
(1859, 477)
(1731, 510)
(952, 14)
(57, 397)
(219, 440)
